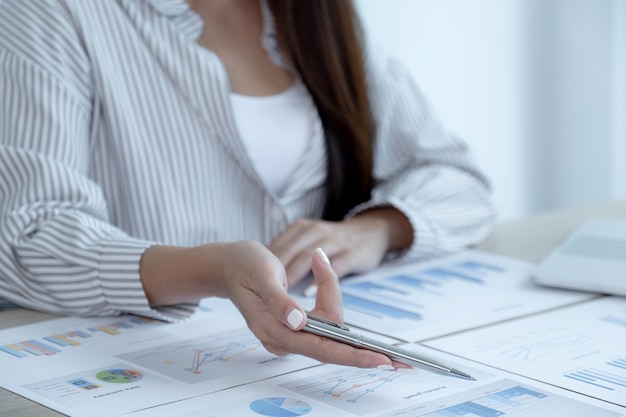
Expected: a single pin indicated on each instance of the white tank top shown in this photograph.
(276, 131)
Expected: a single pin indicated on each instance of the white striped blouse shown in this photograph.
(117, 133)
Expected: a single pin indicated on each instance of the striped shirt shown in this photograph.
(117, 133)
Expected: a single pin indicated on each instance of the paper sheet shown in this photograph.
(581, 348)
(111, 366)
(419, 301)
(329, 390)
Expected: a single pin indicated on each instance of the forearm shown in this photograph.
(394, 227)
(172, 275)
(447, 208)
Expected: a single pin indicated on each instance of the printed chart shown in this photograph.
(508, 398)
(82, 388)
(413, 302)
(102, 367)
(363, 391)
(330, 390)
(582, 348)
(280, 407)
(55, 343)
(204, 358)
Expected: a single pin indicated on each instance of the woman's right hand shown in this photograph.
(255, 280)
(259, 291)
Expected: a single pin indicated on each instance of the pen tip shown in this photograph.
(462, 374)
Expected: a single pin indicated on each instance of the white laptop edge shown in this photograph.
(592, 258)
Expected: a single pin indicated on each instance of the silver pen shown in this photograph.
(342, 333)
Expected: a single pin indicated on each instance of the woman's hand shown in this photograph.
(258, 289)
(255, 280)
(354, 246)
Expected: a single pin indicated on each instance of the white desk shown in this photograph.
(528, 239)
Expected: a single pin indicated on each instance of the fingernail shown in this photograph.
(385, 367)
(310, 291)
(294, 318)
(407, 371)
(322, 256)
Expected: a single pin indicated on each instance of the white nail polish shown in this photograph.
(310, 291)
(407, 371)
(322, 256)
(294, 318)
(385, 368)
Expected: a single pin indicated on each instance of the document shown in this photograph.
(581, 348)
(212, 365)
(328, 390)
(423, 300)
(112, 366)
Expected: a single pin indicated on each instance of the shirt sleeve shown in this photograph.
(422, 169)
(58, 251)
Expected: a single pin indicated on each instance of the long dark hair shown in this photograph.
(323, 41)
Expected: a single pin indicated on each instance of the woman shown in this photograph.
(151, 148)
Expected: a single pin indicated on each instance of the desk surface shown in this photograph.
(528, 239)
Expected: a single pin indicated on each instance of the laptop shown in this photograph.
(592, 258)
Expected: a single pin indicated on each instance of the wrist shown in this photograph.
(394, 226)
(173, 275)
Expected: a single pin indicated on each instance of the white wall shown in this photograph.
(536, 87)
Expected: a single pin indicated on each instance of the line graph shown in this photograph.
(367, 391)
(203, 358)
(581, 348)
(355, 388)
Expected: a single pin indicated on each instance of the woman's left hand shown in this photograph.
(355, 245)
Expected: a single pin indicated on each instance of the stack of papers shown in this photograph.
(533, 351)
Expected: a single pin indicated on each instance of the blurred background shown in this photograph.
(536, 87)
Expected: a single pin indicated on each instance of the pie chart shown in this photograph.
(119, 376)
(280, 407)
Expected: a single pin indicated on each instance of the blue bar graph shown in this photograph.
(519, 391)
(620, 363)
(121, 325)
(34, 347)
(58, 340)
(385, 290)
(479, 266)
(376, 309)
(496, 404)
(415, 283)
(376, 288)
(445, 273)
(598, 378)
(141, 320)
(614, 320)
(471, 408)
(505, 400)
(15, 352)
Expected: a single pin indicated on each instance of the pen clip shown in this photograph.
(328, 322)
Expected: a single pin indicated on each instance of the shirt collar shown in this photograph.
(170, 8)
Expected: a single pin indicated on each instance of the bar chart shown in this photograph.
(576, 348)
(53, 344)
(514, 400)
(413, 302)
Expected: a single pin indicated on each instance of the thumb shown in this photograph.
(328, 301)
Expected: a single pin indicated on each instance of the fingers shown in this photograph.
(299, 266)
(294, 240)
(295, 246)
(352, 246)
(328, 301)
(263, 285)
(275, 317)
(282, 307)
